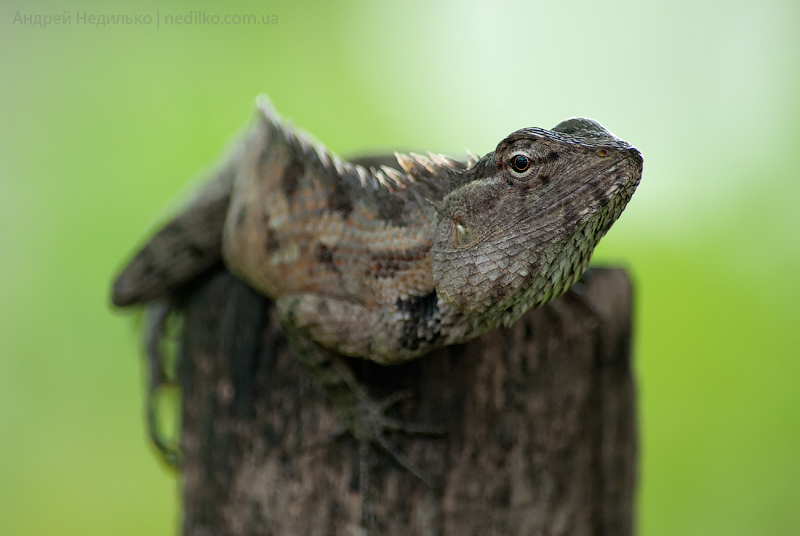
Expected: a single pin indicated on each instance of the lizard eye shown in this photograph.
(520, 163)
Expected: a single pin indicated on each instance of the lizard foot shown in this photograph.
(365, 419)
(367, 422)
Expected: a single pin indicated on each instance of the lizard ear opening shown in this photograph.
(462, 233)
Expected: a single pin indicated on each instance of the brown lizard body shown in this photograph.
(390, 263)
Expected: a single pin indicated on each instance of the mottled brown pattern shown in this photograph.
(290, 178)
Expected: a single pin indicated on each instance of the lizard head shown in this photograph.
(520, 225)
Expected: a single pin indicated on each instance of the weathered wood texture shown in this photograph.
(541, 420)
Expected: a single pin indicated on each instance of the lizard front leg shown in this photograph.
(360, 414)
(388, 335)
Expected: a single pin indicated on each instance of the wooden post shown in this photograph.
(540, 418)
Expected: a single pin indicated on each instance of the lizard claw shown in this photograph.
(367, 423)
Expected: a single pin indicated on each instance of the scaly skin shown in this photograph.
(390, 263)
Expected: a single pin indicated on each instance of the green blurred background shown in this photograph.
(101, 127)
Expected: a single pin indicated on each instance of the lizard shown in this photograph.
(390, 262)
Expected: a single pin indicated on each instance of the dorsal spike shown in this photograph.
(288, 132)
(364, 176)
(409, 165)
(304, 144)
(425, 162)
(438, 159)
(323, 156)
(446, 162)
(429, 175)
(384, 179)
(338, 164)
(472, 159)
(398, 178)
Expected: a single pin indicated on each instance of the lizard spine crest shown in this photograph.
(431, 176)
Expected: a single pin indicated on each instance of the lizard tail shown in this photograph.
(185, 248)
